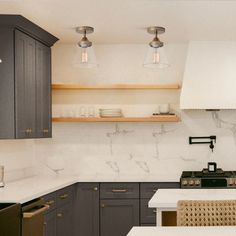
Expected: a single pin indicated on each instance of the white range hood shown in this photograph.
(210, 76)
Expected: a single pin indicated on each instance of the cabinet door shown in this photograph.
(87, 209)
(43, 91)
(64, 220)
(50, 224)
(24, 85)
(7, 117)
(118, 216)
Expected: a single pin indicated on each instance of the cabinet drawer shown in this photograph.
(148, 215)
(50, 199)
(65, 195)
(147, 190)
(119, 190)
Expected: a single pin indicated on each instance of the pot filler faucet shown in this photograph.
(210, 140)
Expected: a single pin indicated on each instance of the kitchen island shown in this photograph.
(183, 231)
(166, 199)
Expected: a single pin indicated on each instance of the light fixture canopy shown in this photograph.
(156, 57)
(87, 55)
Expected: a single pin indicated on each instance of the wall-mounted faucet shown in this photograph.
(212, 140)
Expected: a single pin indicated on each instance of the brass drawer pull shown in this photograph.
(95, 188)
(59, 215)
(31, 214)
(119, 190)
(28, 131)
(51, 202)
(103, 205)
(64, 196)
(45, 131)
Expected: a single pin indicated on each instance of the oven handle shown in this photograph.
(36, 212)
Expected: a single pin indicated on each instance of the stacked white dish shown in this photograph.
(110, 112)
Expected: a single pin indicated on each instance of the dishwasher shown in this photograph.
(33, 218)
(10, 219)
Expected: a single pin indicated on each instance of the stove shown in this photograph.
(208, 179)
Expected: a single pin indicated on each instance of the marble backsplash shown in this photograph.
(145, 151)
(125, 151)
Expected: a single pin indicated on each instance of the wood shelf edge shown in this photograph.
(114, 86)
(164, 118)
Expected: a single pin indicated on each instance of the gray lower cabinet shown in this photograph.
(87, 209)
(58, 220)
(119, 208)
(118, 216)
(64, 226)
(50, 224)
(148, 215)
(103, 209)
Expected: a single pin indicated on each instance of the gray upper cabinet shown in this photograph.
(25, 85)
(43, 91)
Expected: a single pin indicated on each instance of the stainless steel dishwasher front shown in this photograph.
(33, 218)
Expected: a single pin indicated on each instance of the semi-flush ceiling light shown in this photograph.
(156, 57)
(87, 56)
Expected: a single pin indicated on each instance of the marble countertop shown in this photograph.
(168, 198)
(183, 231)
(24, 190)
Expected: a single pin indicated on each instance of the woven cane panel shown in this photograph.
(206, 213)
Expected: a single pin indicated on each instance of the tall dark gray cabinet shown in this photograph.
(25, 79)
(87, 209)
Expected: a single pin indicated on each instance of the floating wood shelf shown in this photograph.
(114, 86)
(160, 118)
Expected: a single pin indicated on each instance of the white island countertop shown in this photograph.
(183, 231)
(27, 189)
(168, 198)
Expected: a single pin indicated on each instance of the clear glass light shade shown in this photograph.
(156, 58)
(85, 57)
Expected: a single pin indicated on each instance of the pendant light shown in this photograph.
(156, 57)
(87, 58)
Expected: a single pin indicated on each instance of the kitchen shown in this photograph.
(88, 156)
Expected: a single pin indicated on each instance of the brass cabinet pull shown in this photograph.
(28, 131)
(64, 196)
(95, 188)
(59, 215)
(119, 190)
(102, 205)
(45, 131)
(31, 214)
(51, 202)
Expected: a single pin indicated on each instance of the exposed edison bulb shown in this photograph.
(84, 56)
(156, 56)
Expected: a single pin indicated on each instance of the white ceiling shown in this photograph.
(124, 21)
